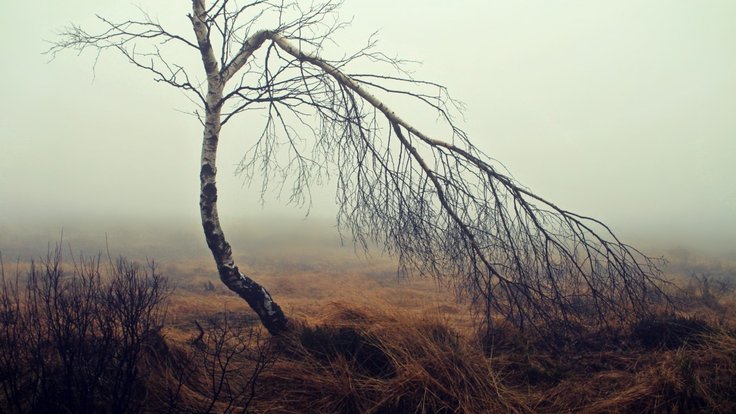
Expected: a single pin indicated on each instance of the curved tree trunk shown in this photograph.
(255, 295)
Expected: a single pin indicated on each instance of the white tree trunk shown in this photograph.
(254, 294)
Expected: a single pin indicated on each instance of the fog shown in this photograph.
(620, 110)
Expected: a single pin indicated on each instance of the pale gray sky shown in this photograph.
(623, 110)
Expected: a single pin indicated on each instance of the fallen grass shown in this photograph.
(365, 342)
(691, 378)
(360, 359)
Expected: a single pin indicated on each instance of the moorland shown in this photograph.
(157, 332)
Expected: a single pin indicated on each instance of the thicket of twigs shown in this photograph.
(93, 337)
(71, 337)
(87, 337)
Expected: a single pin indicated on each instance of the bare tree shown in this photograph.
(445, 208)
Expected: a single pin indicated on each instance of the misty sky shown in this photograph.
(622, 110)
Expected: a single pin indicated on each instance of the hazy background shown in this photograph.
(623, 110)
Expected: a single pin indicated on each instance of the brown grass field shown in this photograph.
(438, 364)
(366, 341)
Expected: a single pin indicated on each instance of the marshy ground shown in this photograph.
(363, 340)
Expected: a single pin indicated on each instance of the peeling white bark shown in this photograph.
(255, 295)
(268, 303)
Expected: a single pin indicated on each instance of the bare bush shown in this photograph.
(222, 367)
(71, 341)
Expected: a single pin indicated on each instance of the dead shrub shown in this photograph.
(71, 340)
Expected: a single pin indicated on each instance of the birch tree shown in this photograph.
(442, 206)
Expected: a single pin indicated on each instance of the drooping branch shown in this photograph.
(448, 211)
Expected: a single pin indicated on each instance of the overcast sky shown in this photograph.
(623, 110)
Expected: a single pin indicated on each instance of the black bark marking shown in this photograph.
(206, 172)
(209, 191)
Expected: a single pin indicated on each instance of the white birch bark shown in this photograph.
(254, 294)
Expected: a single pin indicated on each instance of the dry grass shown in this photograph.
(360, 359)
(686, 379)
(365, 342)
